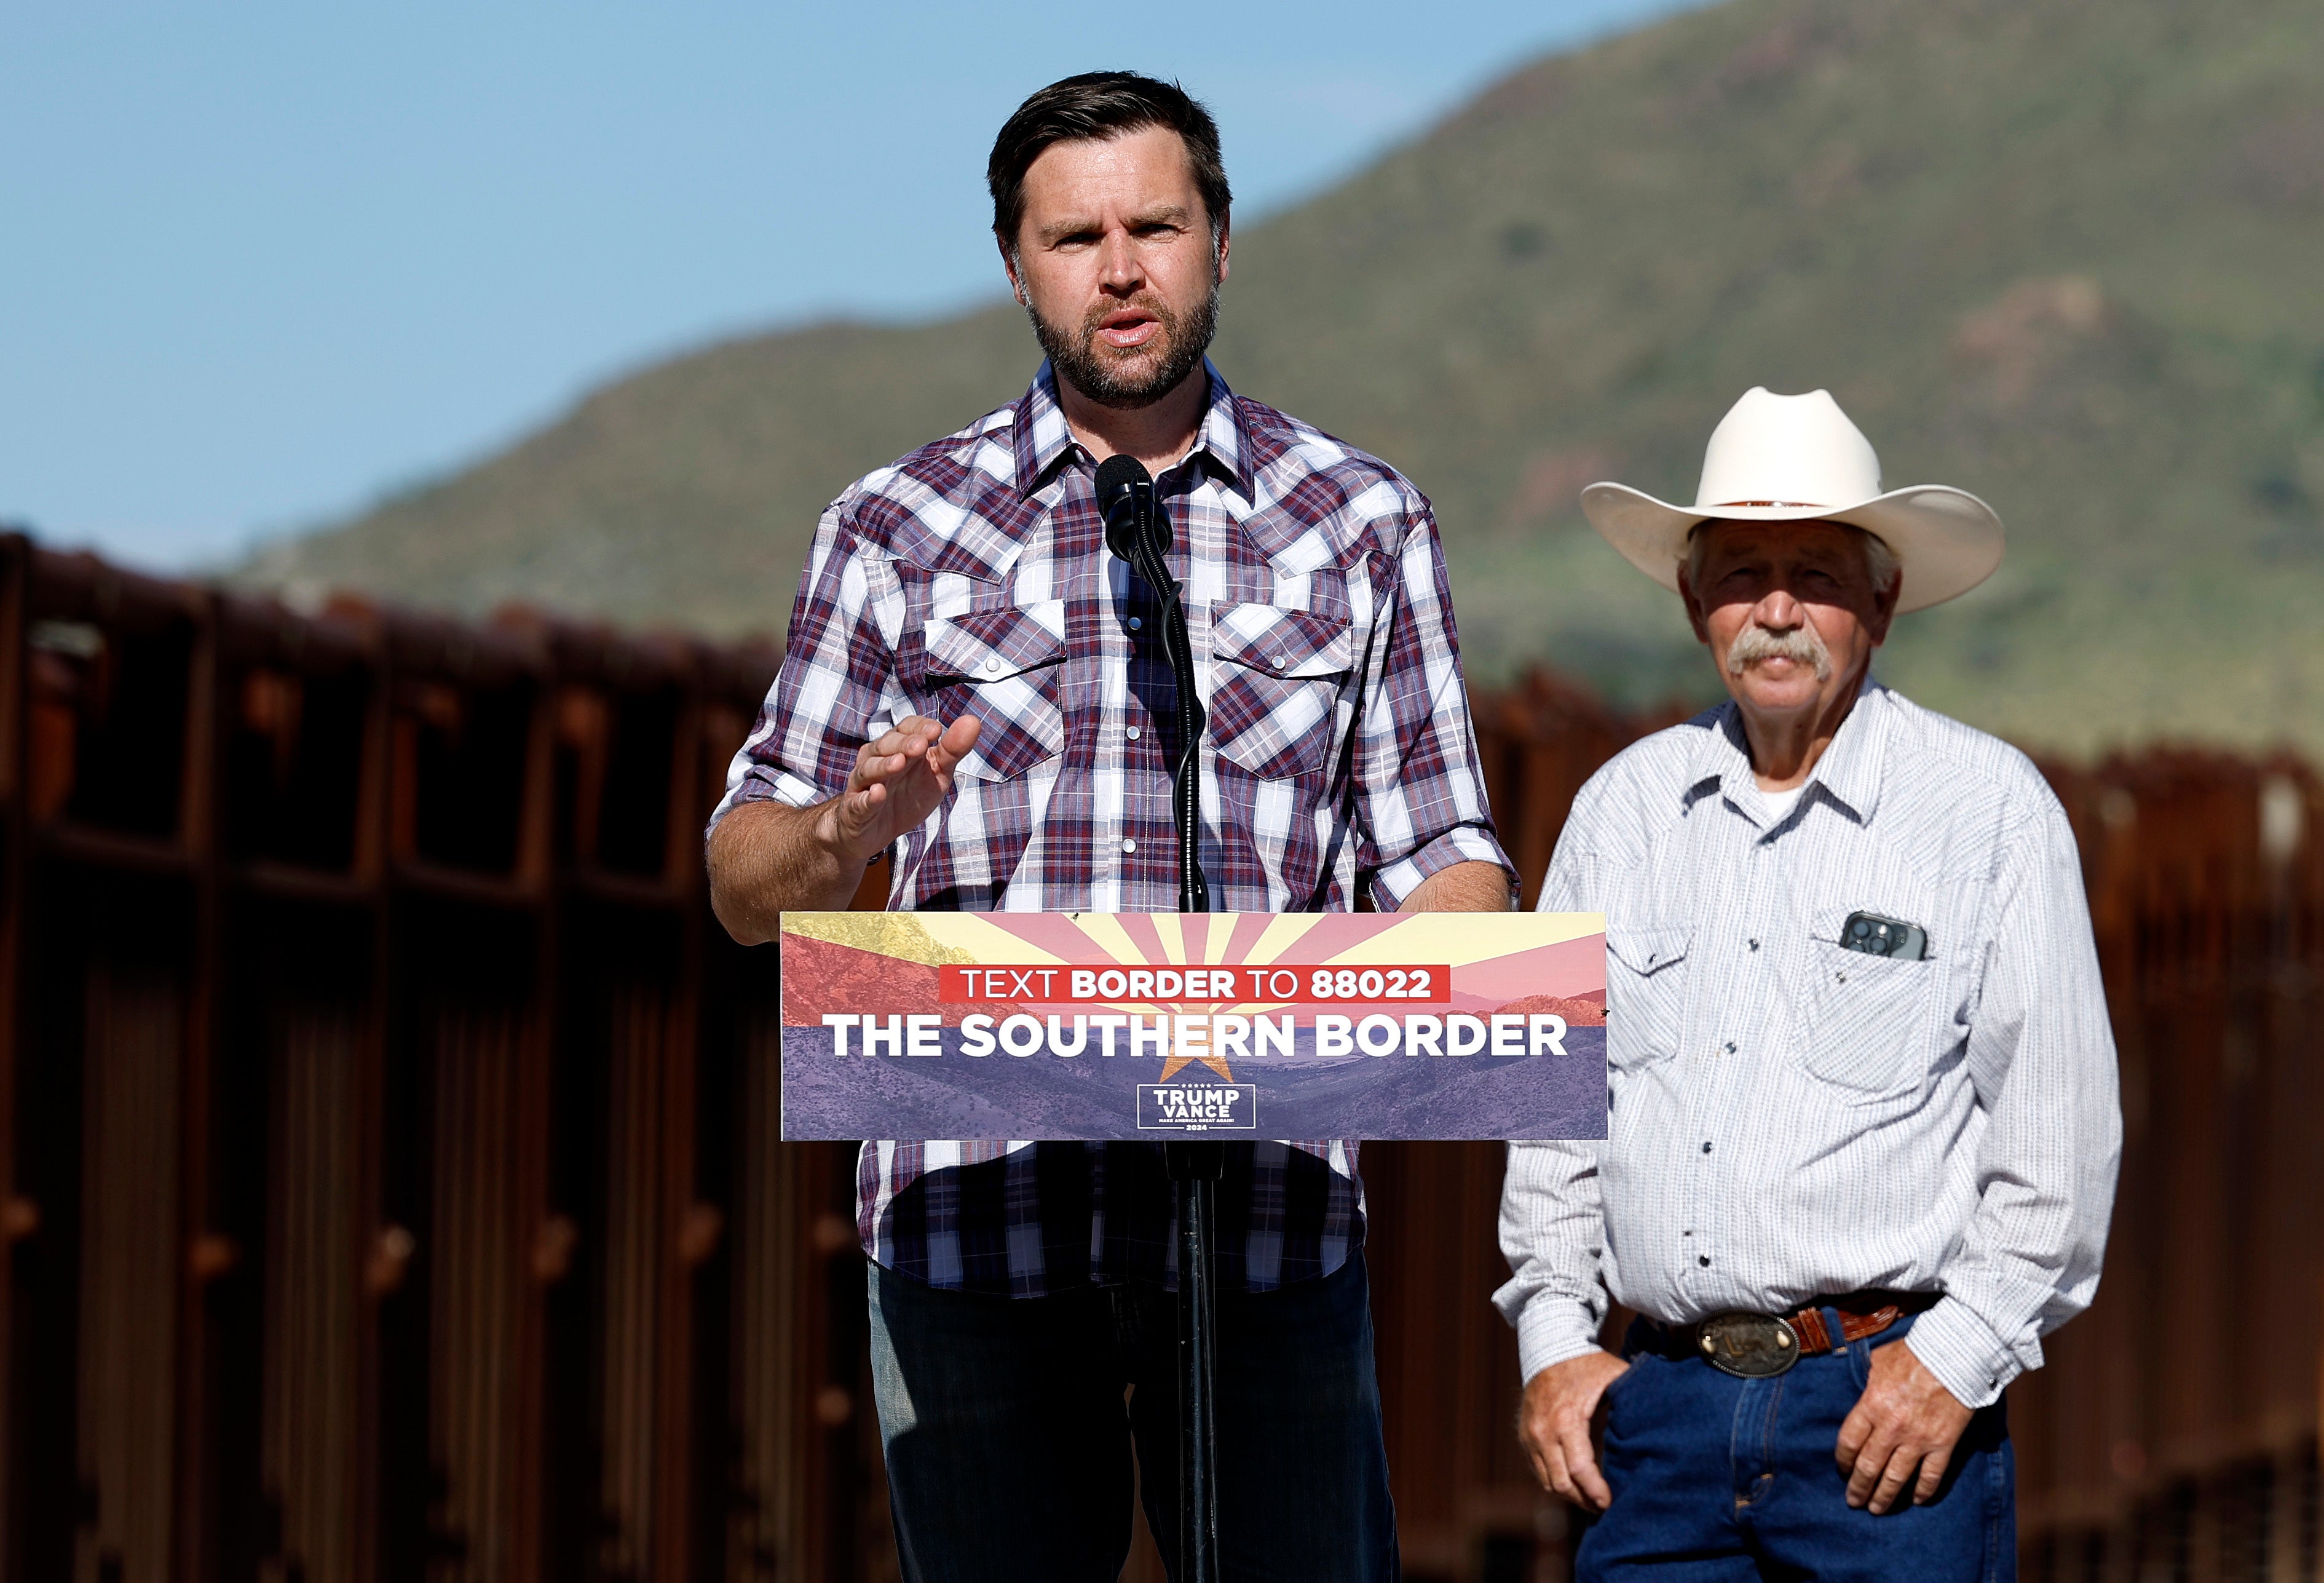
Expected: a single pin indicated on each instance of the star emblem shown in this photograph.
(1174, 1063)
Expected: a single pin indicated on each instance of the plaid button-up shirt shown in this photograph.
(972, 577)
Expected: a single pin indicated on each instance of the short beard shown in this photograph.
(1111, 381)
(1801, 645)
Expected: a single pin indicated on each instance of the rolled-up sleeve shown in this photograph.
(835, 689)
(2041, 1053)
(1552, 1225)
(1420, 787)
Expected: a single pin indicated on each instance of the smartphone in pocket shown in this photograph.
(1875, 936)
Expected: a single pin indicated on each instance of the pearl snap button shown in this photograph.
(993, 663)
(1129, 846)
(1135, 624)
(1134, 733)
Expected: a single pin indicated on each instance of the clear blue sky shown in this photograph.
(259, 262)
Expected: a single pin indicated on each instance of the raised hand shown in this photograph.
(767, 858)
(1553, 1425)
(898, 780)
(1905, 1420)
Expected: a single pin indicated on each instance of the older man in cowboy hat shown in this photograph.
(1862, 1113)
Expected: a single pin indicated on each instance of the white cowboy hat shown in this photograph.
(1777, 459)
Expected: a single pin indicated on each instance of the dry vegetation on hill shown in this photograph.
(2058, 252)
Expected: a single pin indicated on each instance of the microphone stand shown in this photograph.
(1195, 1168)
(1186, 775)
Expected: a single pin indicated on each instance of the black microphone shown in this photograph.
(1140, 534)
(1125, 495)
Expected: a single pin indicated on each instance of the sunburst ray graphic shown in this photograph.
(1494, 957)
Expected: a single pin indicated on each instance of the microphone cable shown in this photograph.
(1137, 532)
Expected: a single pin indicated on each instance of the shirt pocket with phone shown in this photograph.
(1646, 978)
(1001, 666)
(1275, 679)
(1869, 1002)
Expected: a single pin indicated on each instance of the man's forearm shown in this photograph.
(767, 858)
(1465, 887)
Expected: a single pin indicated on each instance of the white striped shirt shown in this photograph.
(1788, 1119)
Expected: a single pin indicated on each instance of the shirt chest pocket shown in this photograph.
(1003, 666)
(1867, 1019)
(1646, 976)
(1276, 679)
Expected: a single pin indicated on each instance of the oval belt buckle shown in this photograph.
(1751, 1347)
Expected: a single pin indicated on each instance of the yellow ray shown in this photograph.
(1105, 932)
(901, 935)
(1282, 937)
(979, 933)
(1171, 929)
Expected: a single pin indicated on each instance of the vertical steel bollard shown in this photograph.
(1196, 1169)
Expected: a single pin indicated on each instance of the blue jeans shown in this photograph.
(1721, 1480)
(1007, 1439)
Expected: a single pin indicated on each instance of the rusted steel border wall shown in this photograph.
(382, 1115)
(2174, 1432)
(385, 1181)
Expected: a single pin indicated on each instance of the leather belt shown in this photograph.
(1754, 1346)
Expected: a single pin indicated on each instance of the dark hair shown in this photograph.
(1093, 105)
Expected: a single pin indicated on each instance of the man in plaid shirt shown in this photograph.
(977, 686)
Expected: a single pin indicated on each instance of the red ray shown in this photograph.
(1335, 932)
(1140, 927)
(1196, 929)
(1054, 933)
(1247, 928)
(1574, 968)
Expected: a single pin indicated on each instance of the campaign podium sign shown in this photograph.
(1156, 1026)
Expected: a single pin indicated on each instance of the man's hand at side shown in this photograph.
(766, 858)
(1904, 1419)
(1553, 1425)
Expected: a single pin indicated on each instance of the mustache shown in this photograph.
(1801, 645)
(1094, 319)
